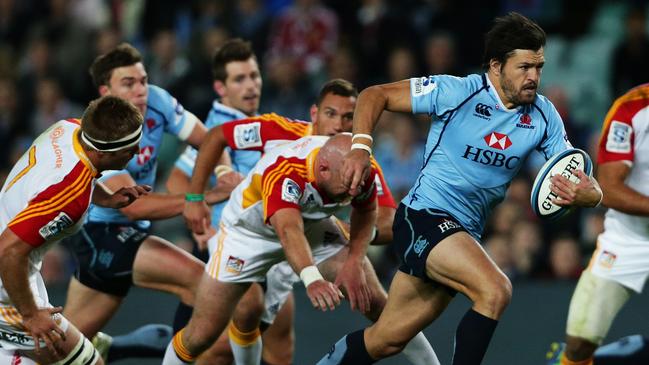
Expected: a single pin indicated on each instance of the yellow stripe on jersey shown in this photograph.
(78, 149)
(299, 129)
(252, 193)
(61, 199)
(278, 167)
(12, 317)
(310, 163)
(636, 94)
(284, 168)
(276, 175)
(30, 164)
(215, 261)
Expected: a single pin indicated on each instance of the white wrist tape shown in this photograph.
(361, 146)
(222, 170)
(362, 135)
(310, 274)
(600, 199)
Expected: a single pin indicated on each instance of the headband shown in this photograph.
(116, 145)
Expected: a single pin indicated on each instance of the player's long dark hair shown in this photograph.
(508, 33)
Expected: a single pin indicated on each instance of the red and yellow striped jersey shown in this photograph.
(48, 191)
(266, 131)
(285, 178)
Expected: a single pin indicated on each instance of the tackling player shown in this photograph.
(44, 199)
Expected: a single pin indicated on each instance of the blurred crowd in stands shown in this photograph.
(596, 50)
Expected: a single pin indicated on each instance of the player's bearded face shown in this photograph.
(520, 76)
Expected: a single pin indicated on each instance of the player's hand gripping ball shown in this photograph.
(563, 163)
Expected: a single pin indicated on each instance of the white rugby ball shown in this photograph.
(563, 163)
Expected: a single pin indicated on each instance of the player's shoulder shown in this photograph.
(633, 100)
(220, 113)
(452, 86)
(157, 95)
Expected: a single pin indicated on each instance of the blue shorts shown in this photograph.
(416, 232)
(105, 254)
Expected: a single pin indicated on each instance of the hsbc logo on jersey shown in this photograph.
(489, 157)
(498, 141)
(145, 155)
(56, 226)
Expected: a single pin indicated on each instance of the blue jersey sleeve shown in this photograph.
(187, 160)
(555, 139)
(218, 115)
(438, 94)
(177, 120)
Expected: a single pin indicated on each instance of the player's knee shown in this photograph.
(249, 310)
(383, 343)
(496, 295)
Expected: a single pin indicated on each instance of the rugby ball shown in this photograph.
(563, 163)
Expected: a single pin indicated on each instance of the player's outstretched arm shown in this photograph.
(14, 264)
(121, 198)
(289, 226)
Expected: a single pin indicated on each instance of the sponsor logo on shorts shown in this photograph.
(446, 225)
(291, 191)
(234, 265)
(14, 337)
(420, 245)
(56, 226)
(607, 259)
(619, 138)
(274, 308)
(247, 135)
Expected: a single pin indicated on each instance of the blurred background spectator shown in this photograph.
(595, 51)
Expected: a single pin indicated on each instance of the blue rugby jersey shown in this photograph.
(476, 145)
(163, 114)
(242, 161)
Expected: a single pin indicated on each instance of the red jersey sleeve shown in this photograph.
(617, 139)
(55, 209)
(368, 191)
(253, 133)
(282, 185)
(383, 193)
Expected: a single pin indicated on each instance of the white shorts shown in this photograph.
(622, 260)
(279, 284)
(239, 255)
(8, 357)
